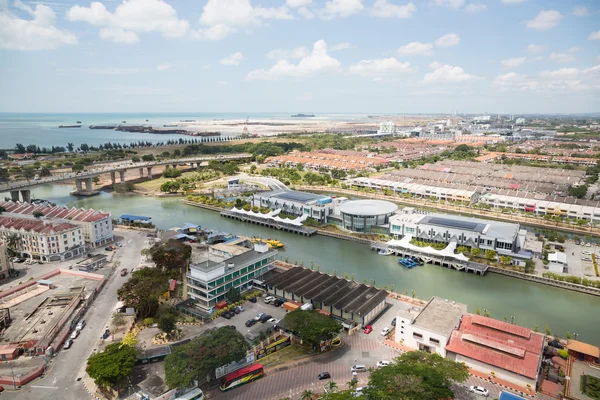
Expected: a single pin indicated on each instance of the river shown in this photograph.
(530, 303)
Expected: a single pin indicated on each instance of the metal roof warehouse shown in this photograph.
(344, 299)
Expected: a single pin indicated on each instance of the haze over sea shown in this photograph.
(42, 129)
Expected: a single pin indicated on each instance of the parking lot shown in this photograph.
(385, 319)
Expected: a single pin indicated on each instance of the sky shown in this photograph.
(319, 56)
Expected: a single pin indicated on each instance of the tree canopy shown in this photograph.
(311, 326)
(416, 375)
(199, 358)
(173, 255)
(143, 289)
(111, 366)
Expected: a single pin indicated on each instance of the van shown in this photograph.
(358, 368)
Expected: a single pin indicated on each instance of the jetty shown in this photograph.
(282, 226)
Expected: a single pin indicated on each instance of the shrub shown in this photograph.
(148, 321)
(563, 353)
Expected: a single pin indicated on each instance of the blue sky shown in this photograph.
(355, 56)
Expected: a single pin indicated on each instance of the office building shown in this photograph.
(316, 206)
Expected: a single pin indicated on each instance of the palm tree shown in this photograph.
(352, 384)
(307, 395)
(12, 242)
(331, 387)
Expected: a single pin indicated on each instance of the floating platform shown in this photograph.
(300, 230)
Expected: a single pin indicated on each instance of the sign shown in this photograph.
(273, 347)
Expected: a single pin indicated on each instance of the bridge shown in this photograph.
(84, 178)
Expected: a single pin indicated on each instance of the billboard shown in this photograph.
(273, 347)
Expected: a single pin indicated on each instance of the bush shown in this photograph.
(148, 321)
(563, 353)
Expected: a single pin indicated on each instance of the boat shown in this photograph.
(407, 262)
(69, 126)
(273, 244)
(384, 252)
(78, 122)
(103, 126)
(123, 122)
(417, 260)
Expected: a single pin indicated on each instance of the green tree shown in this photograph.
(171, 173)
(490, 254)
(529, 266)
(167, 323)
(506, 260)
(148, 157)
(172, 255)
(77, 167)
(578, 191)
(96, 179)
(233, 295)
(4, 175)
(416, 375)
(312, 326)
(45, 171)
(307, 395)
(135, 159)
(142, 290)
(112, 366)
(170, 186)
(331, 387)
(199, 358)
(462, 249)
(476, 252)
(253, 168)
(38, 214)
(28, 173)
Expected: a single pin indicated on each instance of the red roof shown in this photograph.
(34, 225)
(49, 211)
(498, 344)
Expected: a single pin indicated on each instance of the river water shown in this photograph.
(530, 303)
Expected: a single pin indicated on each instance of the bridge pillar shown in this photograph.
(141, 172)
(122, 176)
(149, 169)
(14, 195)
(113, 177)
(79, 184)
(192, 165)
(26, 195)
(88, 185)
(174, 166)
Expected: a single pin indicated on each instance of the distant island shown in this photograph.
(303, 116)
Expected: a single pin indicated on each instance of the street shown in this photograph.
(61, 379)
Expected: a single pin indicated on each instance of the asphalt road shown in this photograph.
(60, 381)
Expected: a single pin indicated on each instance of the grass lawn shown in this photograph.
(290, 353)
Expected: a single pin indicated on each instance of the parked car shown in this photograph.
(124, 272)
(253, 300)
(119, 244)
(240, 308)
(250, 322)
(80, 325)
(324, 375)
(236, 310)
(259, 316)
(265, 318)
(556, 344)
(278, 302)
(106, 334)
(368, 329)
(382, 363)
(68, 344)
(108, 248)
(394, 322)
(269, 299)
(74, 334)
(228, 314)
(479, 390)
(273, 321)
(588, 244)
(385, 331)
(1, 388)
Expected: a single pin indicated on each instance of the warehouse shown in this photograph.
(346, 300)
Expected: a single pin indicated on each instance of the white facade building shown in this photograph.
(96, 225)
(432, 327)
(557, 262)
(388, 128)
(315, 206)
(43, 240)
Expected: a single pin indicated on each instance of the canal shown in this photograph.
(529, 303)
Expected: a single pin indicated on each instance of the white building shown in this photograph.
(96, 225)
(557, 262)
(5, 261)
(432, 327)
(520, 121)
(43, 240)
(388, 128)
(315, 206)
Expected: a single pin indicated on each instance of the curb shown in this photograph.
(92, 395)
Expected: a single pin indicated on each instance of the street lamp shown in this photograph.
(575, 335)
(512, 319)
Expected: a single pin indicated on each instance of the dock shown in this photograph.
(300, 230)
(448, 262)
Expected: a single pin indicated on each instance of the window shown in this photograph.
(434, 341)
(417, 335)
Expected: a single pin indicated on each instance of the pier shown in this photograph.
(300, 230)
(448, 262)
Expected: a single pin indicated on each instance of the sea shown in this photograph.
(42, 129)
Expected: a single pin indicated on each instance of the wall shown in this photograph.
(499, 373)
(406, 334)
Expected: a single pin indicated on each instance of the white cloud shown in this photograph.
(594, 35)
(416, 49)
(535, 48)
(306, 13)
(563, 80)
(450, 3)
(448, 40)
(316, 62)
(164, 67)
(298, 3)
(341, 46)
(385, 9)
(580, 11)
(434, 65)
(562, 73)
(379, 68)
(475, 8)
(233, 59)
(448, 74)
(512, 1)
(283, 54)
(513, 62)
(546, 19)
(340, 8)
(563, 58)
(130, 18)
(223, 17)
(38, 33)
(509, 79)
(111, 71)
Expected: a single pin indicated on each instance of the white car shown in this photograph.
(385, 331)
(259, 316)
(68, 344)
(269, 299)
(74, 334)
(273, 321)
(382, 363)
(479, 390)
(586, 253)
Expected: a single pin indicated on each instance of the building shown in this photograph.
(432, 327)
(502, 350)
(43, 240)
(96, 226)
(583, 351)
(5, 261)
(502, 237)
(210, 276)
(316, 206)
(348, 301)
(388, 128)
(520, 121)
(365, 216)
(557, 262)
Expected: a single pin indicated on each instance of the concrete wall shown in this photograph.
(405, 334)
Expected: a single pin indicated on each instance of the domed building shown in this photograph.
(365, 216)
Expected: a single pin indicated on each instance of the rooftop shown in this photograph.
(293, 195)
(238, 261)
(499, 344)
(35, 225)
(367, 207)
(50, 211)
(583, 348)
(440, 315)
(485, 227)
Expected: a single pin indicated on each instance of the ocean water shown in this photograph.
(42, 129)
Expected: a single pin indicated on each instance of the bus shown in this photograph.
(242, 376)
(194, 394)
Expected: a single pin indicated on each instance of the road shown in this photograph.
(60, 381)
